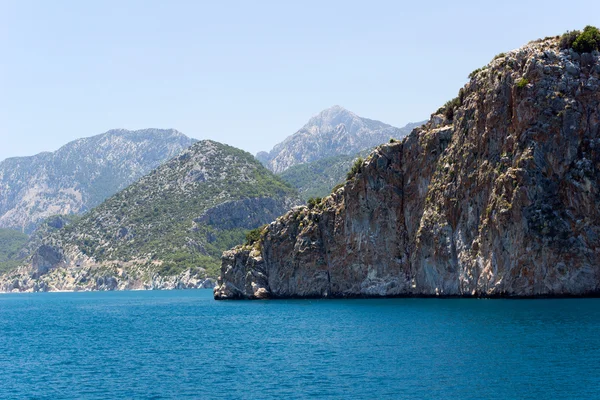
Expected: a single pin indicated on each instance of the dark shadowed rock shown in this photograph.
(45, 258)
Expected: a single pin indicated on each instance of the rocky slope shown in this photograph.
(81, 174)
(497, 195)
(332, 132)
(167, 230)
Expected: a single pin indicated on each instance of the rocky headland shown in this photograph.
(497, 195)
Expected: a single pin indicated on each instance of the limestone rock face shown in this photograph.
(501, 200)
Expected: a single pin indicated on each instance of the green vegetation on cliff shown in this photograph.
(582, 42)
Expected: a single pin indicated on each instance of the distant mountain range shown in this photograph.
(81, 174)
(158, 210)
(333, 132)
(317, 157)
(318, 178)
(167, 230)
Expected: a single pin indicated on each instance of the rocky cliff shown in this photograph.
(81, 174)
(497, 195)
(333, 132)
(167, 230)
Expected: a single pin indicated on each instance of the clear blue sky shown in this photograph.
(247, 73)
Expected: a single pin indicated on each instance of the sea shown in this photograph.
(185, 345)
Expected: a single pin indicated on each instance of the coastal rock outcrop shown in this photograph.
(497, 195)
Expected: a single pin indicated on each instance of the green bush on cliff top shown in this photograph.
(567, 39)
(448, 109)
(582, 42)
(254, 235)
(356, 168)
(588, 41)
(313, 202)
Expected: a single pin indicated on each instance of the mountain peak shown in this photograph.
(336, 109)
(332, 115)
(334, 131)
(81, 174)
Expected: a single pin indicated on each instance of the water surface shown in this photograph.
(183, 344)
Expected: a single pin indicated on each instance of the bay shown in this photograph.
(183, 344)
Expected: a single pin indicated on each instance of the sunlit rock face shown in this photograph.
(498, 196)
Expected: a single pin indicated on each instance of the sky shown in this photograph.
(246, 73)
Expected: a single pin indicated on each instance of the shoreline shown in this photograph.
(102, 291)
(590, 295)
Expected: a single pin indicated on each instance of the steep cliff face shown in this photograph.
(334, 131)
(500, 200)
(81, 174)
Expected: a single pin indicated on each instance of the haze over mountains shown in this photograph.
(169, 227)
(81, 174)
(166, 230)
(333, 132)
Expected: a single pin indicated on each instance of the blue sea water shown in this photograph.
(183, 344)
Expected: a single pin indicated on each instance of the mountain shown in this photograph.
(317, 178)
(81, 174)
(497, 195)
(335, 131)
(167, 230)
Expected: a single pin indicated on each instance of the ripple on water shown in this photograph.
(182, 344)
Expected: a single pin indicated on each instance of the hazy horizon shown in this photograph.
(59, 145)
(248, 75)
